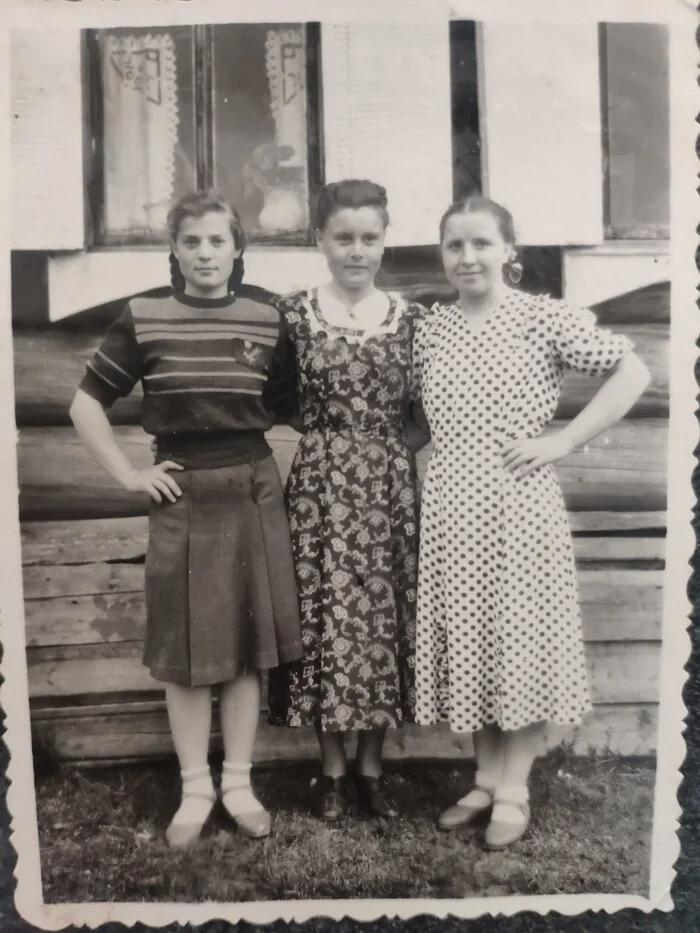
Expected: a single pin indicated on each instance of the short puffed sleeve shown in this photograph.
(579, 343)
(117, 365)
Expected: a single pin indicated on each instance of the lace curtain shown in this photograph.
(140, 130)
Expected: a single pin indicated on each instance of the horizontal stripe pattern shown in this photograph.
(165, 336)
(190, 390)
(203, 369)
(225, 375)
(242, 311)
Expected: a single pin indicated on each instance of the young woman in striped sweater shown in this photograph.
(214, 365)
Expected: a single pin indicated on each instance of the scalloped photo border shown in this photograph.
(682, 19)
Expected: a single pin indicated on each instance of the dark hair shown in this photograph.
(197, 204)
(512, 270)
(352, 192)
(476, 202)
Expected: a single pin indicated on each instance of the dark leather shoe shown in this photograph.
(331, 800)
(375, 794)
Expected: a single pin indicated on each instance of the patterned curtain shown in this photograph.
(140, 131)
(285, 60)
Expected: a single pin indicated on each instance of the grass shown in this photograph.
(101, 837)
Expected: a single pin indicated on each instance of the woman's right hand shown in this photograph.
(156, 481)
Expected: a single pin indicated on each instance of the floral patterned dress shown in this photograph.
(351, 497)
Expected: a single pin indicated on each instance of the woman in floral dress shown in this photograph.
(499, 649)
(352, 504)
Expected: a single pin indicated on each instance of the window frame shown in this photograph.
(641, 233)
(97, 236)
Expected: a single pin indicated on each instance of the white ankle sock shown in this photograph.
(237, 794)
(195, 809)
(508, 812)
(482, 794)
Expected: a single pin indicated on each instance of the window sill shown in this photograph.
(85, 279)
(622, 248)
(164, 248)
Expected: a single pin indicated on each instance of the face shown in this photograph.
(353, 243)
(474, 252)
(205, 250)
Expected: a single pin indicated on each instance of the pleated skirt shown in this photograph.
(220, 588)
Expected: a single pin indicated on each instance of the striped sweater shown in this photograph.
(216, 373)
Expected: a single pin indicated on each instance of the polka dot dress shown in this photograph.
(499, 630)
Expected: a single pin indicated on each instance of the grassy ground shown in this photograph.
(101, 835)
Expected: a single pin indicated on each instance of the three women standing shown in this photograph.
(497, 649)
(499, 645)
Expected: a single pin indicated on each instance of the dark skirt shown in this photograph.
(220, 590)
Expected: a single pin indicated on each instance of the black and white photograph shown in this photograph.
(348, 429)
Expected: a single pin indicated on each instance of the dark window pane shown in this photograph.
(148, 126)
(466, 150)
(637, 133)
(260, 125)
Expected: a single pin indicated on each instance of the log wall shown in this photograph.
(84, 543)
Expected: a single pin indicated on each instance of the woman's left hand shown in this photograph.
(524, 456)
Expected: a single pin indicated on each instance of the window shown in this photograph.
(636, 134)
(466, 147)
(184, 107)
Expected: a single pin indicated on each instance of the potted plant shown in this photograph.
(282, 187)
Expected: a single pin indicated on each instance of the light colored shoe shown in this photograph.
(240, 802)
(256, 825)
(182, 835)
(461, 815)
(500, 834)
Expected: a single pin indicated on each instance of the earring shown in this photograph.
(513, 269)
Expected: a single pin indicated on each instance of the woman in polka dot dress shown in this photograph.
(499, 643)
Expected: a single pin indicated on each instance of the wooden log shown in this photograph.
(623, 729)
(600, 522)
(651, 304)
(610, 613)
(46, 582)
(651, 345)
(123, 540)
(83, 542)
(620, 549)
(620, 672)
(49, 364)
(622, 470)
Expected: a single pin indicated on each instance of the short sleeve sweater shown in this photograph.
(216, 374)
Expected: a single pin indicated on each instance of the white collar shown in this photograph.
(367, 315)
(370, 316)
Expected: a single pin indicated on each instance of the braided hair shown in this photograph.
(197, 204)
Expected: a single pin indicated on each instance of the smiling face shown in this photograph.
(205, 249)
(353, 243)
(473, 253)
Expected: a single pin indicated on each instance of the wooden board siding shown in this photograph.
(98, 736)
(522, 62)
(49, 365)
(96, 604)
(46, 139)
(84, 542)
(622, 470)
(94, 702)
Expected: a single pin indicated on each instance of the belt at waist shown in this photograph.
(209, 451)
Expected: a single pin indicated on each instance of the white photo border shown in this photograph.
(685, 104)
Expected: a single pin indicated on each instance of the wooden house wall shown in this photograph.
(84, 542)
